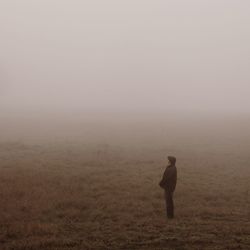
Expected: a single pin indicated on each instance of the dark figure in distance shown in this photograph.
(168, 183)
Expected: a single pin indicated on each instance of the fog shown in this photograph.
(130, 59)
(125, 55)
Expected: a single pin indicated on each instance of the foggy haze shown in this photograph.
(123, 56)
(95, 95)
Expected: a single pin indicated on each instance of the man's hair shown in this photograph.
(172, 160)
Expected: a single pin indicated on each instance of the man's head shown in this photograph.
(172, 160)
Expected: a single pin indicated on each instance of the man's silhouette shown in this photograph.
(168, 183)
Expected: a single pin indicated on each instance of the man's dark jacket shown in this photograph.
(169, 178)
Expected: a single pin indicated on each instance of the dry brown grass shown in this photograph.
(107, 197)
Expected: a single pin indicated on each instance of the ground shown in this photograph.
(101, 196)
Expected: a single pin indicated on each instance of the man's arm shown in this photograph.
(163, 181)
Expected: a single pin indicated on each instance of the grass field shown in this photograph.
(80, 195)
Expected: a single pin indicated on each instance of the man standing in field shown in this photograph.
(168, 183)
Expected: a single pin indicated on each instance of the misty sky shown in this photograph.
(113, 55)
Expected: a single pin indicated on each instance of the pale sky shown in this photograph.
(113, 55)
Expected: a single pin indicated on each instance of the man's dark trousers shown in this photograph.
(169, 203)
